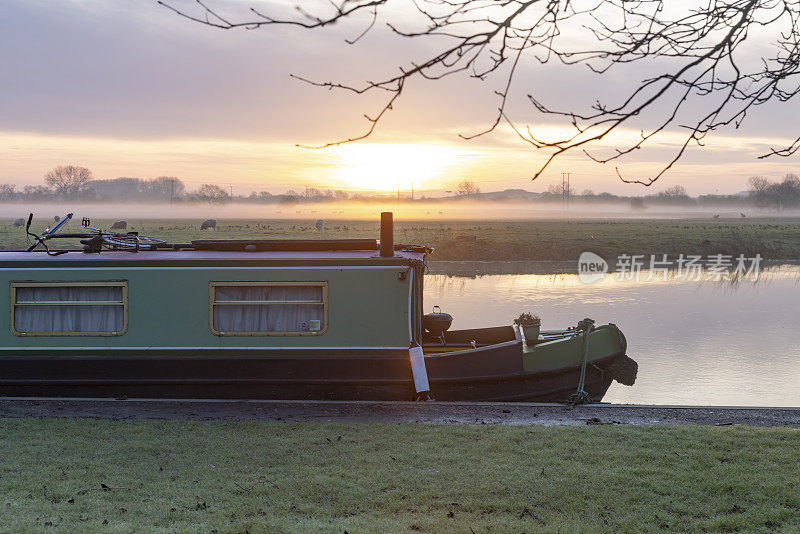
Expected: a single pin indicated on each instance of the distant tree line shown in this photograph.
(775, 195)
(72, 182)
(672, 196)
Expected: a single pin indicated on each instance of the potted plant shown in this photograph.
(530, 324)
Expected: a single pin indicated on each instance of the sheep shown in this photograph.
(208, 224)
(120, 225)
(19, 222)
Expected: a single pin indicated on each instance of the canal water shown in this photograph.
(697, 342)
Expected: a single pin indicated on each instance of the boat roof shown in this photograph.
(204, 255)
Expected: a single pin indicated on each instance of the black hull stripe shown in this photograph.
(291, 381)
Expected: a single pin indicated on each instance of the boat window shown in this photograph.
(268, 308)
(69, 308)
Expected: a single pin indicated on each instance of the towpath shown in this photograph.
(398, 412)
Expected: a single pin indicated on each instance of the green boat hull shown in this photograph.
(499, 370)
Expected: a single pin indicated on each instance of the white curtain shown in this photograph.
(69, 294)
(267, 317)
(267, 293)
(68, 318)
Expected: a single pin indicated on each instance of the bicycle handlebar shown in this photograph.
(108, 239)
(48, 231)
(47, 234)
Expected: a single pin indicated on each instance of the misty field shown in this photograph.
(559, 240)
(133, 476)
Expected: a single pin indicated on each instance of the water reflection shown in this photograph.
(707, 342)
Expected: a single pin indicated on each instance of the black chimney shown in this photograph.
(387, 234)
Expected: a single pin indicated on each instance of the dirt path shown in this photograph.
(398, 412)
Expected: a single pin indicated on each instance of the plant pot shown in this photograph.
(531, 331)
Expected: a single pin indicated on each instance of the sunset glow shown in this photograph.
(385, 167)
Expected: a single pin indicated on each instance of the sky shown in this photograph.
(128, 88)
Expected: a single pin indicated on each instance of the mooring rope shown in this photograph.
(580, 396)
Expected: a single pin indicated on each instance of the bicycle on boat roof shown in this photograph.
(93, 240)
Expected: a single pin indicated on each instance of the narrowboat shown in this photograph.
(127, 316)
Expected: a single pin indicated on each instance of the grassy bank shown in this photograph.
(502, 241)
(90, 475)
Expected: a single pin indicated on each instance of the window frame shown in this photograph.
(211, 303)
(101, 283)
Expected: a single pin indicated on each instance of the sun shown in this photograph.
(387, 166)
